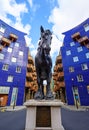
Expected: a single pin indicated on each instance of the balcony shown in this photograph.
(58, 59)
(84, 40)
(1, 47)
(62, 84)
(30, 60)
(13, 37)
(55, 68)
(55, 88)
(58, 85)
(60, 74)
(5, 41)
(29, 84)
(76, 36)
(59, 66)
(30, 68)
(34, 88)
(55, 76)
(29, 76)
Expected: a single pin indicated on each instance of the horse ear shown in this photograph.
(41, 29)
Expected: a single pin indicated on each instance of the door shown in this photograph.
(76, 95)
(3, 99)
(14, 97)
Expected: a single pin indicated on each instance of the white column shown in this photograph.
(56, 118)
(30, 118)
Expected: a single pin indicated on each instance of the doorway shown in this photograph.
(76, 94)
(3, 99)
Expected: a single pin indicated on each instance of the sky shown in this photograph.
(57, 15)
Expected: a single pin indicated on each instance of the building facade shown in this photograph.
(31, 85)
(13, 65)
(75, 59)
(58, 77)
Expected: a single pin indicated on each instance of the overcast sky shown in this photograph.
(57, 15)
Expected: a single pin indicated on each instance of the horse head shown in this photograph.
(45, 40)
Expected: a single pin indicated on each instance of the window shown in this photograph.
(79, 78)
(1, 56)
(17, 44)
(84, 66)
(75, 59)
(18, 69)
(0, 36)
(4, 90)
(21, 53)
(14, 96)
(10, 78)
(87, 55)
(88, 89)
(2, 28)
(13, 59)
(71, 69)
(68, 52)
(5, 67)
(86, 27)
(72, 44)
(9, 49)
(79, 49)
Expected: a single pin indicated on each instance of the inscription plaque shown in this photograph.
(43, 116)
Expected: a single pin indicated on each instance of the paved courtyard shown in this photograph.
(71, 119)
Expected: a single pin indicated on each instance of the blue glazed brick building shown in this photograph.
(75, 59)
(13, 62)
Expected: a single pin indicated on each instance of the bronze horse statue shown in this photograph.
(43, 64)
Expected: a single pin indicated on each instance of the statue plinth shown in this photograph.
(43, 115)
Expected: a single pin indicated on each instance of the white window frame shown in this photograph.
(9, 49)
(16, 44)
(72, 44)
(10, 78)
(80, 78)
(18, 69)
(68, 52)
(1, 36)
(20, 53)
(86, 27)
(4, 90)
(14, 96)
(5, 67)
(87, 55)
(75, 59)
(1, 56)
(2, 28)
(79, 49)
(71, 69)
(88, 89)
(13, 59)
(84, 66)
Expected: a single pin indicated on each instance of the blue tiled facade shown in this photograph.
(13, 62)
(75, 58)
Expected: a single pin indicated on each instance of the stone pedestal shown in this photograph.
(43, 115)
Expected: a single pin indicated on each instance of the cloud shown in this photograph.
(68, 14)
(30, 3)
(29, 42)
(55, 45)
(12, 8)
(17, 11)
(33, 6)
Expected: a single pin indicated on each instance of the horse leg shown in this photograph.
(42, 88)
(39, 94)
(49, 94)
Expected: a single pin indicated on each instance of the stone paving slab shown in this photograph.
(73, 107)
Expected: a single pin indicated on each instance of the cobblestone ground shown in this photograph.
(72, 118)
